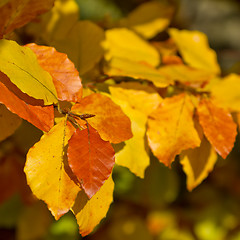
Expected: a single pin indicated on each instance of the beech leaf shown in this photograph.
(9, 122)
(89, 212)
(198, 163)
(90, 158)
(109, 120)
(48, 174)
(21, 66)
(65, 76)
(41, 117)
(218, 126)
(195, 50)
(171, 128)
(16, 13)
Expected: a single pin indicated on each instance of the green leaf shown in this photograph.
(21, 66)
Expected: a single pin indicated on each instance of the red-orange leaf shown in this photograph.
(218, 126)
(41, 117)
(110, 121)
(91, 159)
(64, 74)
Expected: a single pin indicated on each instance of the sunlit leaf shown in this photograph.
(89, 212)
(21, 66)
(218, 126)
(82, 45)
(195, 50)
(65, 77)
(171, 128)
(137, 70)
(16, 13)
(41, 117)
(197, 163)
(9, 122)
(125, 44)
(48, 173)
(226, 92)
(90, 158)
(109, 120)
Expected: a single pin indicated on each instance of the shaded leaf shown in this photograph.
(195, 50)
(90, 212)
(125, 44)
(218, 126)
(82, 45)
(109, 120)
(226, 92)
(48, 174)
(171, 128)
(41, 117)
(137, 70)
(16, 13)
(65, 76)
(9, 122)
(91, 159)
(197, 163)
(21, 66)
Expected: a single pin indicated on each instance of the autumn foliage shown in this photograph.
(90, 90)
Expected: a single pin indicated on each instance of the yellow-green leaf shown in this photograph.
(197, 163)
(89, 212)
(48, 173)
(125, 44)
(137, 70)
(21, 66)
(226, 92)
(195, 50)
(9, 122)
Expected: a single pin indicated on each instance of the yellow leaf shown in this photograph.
(82, 45)
(137, 70)
(171, 128)
(197, 163)
(227, 92)
(195, 50)
(48, 173)
(125, 44)
(9, 122)
(21, 66)
(89, 212)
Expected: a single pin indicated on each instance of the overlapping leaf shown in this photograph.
(41, 117)
(91, 159)
(9, 122)
(48, 173)
(218, 126)
(171, 128)
(195, 50)
(110, 121)
(21, 66)
(16, 13)
(197, 163)
(65, 77)
(89, 212)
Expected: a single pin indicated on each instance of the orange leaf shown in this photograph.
(91, 159)
(110, 121)
(218, 126)
(171, 128)
(65, 76)
(41, 117)
(16, 13)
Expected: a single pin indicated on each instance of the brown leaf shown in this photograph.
(218, 126)
(110, 121)
(16, 13)
(65, 76)
(91, 159)
(171, 128)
